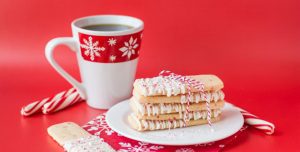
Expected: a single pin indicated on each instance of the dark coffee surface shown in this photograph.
(107, 27)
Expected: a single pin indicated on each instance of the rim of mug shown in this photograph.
(134, 22)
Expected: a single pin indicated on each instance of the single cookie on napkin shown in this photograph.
(75, 139)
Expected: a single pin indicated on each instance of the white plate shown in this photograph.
(231, 121)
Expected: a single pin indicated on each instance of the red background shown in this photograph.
(252, 45)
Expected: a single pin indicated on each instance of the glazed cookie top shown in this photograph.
(163, 86)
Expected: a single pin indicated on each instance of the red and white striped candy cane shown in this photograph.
(252, 120)
(62, 103)
(37, 106)
(190, 82)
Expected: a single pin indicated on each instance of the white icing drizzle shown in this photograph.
(174, 124)
(160, 85)
(151, 124)
(183, 99)
(163, 108)
(145, 123)
(168, 124)
(157, 125)
(148, 110)
(200, 97)
(87, 144)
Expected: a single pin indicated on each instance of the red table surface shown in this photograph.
(252, 45)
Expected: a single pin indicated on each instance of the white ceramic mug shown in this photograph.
(107, 59)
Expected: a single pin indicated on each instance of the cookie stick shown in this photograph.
(152, 87)
(73, 138)
(155, 109)
(196, 97)
(193, 115)
(147, 125)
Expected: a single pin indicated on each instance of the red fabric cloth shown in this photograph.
(99, 127)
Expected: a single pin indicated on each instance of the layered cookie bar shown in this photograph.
(162, 103)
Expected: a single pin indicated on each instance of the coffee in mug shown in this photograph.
(107, 27)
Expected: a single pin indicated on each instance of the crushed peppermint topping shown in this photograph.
(160, 85)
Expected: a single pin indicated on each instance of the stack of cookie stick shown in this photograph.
(162, 103)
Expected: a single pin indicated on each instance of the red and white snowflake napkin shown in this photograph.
(99, 127)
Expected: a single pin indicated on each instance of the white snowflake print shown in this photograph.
(221, 146)
(112, 58)
(185, 150)
(91, 48)
(129, 47)
(99, 125)
(205, 144)
(141, 147)
(112, 41)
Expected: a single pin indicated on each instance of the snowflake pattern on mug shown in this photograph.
(129, 47)
(112, 41)
(91, 48)
(110, 49)
(112, 58)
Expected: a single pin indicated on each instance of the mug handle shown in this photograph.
(71, 43)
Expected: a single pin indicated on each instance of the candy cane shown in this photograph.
(37, 106)
(252, 120)
(62, 103)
